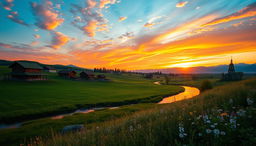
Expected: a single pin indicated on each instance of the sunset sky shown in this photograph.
(129, 34)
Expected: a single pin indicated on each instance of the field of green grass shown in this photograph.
(21, 101)
(26, 100)
(224, 115)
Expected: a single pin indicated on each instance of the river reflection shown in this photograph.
(188, 93)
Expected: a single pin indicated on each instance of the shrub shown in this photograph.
(205, 85)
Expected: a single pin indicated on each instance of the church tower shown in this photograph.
(231, 67)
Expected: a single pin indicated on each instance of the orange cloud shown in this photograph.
(91, 3)
(192, 51)
(103, 3)
(90, 28)
(36, 36)
(122, 19)
(59, 40)
(46, 17)
(149, 25)
(181, 4)
(7, 4)
(248, 11)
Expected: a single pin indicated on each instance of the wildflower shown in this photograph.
(216, 132)
(230, 101)
(215, 124)
(233, 122)
(241, 112)
(208, 131)
(224, 114)
(182, 133)
(219, 110)
(249, 101)
(131, 128)
(222, 133)
(212, 126)
(200, 134)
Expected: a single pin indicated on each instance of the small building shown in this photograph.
(87, 75)
(22, 70)
(67, 73)
(50, 69)
(232, 75)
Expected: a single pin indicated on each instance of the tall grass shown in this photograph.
(223, 115)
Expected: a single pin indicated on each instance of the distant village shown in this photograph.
(30, 71)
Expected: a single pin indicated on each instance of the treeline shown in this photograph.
(105, 70)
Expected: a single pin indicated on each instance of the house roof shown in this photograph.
(88, 73)
(30, 65)
(28, 74)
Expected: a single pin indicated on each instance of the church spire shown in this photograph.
(231, 67)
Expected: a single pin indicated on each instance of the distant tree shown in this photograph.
(166, 79)
(205, 85)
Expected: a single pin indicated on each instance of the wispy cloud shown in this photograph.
(36, 36)
(90, 28)
(246, 12)
(14, 16)
(181, 4)
(46, 17)
(103, 3)
(122, 19)
(7, 4)
(59, 40)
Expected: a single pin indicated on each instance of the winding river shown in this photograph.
(189, 92)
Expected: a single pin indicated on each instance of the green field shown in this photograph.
(35, 99)
(25, 100)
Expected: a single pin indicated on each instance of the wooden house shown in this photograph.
(67, 73)
(87, 75)
(22, 70)
(49, 69)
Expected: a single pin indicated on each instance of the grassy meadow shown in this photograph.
(27, 100)
(22, 101)
(224, 115)
(142, 122)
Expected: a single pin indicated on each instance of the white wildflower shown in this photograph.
(200, 134)
(208, 131)
(249, 101)
(181, 135)
(131, 128)
(222, 133)
(216, 132)
(231, 101)
(241, 112)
